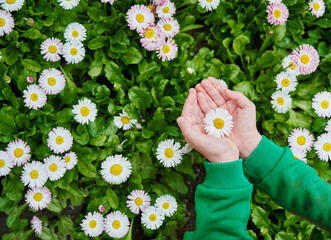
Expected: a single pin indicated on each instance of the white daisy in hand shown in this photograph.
(322, 104)
(59, 140)
(169, 27)
(52, 48)
(117, 224)
(328, 126)
(139, 17)
(281, 101)
(166, 204)
(167, 50)
(56, 167)
(38, 198)
(75, 32)
(218, 122)
(19, 152)
(73, 53)
(323, 146)
(93, 224)
(52, 81)
(166, 10)
(34, 97)
(85, 111)
(289, 65)
(151, 218)
(68, 4)
(306, 58)
(34, 174)
(37, 225)
(138, 200)
(317, 7)
(6, 164)
(70, 160)
(209, 4)
(187, 148)
(286, 81)
(116, 169)
(11, 5)
(299, 154)
(6, 22)
(301, 139)
(169, 153)
(124, 121)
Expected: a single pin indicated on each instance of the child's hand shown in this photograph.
(216, 150)
(212, 94)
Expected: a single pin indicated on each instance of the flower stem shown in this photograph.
(298, 12)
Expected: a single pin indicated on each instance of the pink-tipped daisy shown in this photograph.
(322, 104)
(166, 10)
(169, 27)
(301, 138)
(151, 38)
(34, 174)
(277, 14)
(306, 58)
(37, 225)
(167, 50)
(159, 2)
(51, 48)
(317, 7)
(6, 22)
(139, 17)
(30, 79)
(138, 200)
(38, 198)
(323, 146)
(299, 154)
(19, 152)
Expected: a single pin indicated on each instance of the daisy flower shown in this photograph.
(85, 111)
(187, 148)
(322, 104)
(286, 81)
(59, 140)
(328, 126)
(277, 14)
(169, 27)
(108, 1)
(299, 154)
(73, 53)
(124, 121)
(70, 160)
(159, 2)
(166, 204)
(221, 81)
(37, 225)
(289, 65)
(167, 10)
(75, 32)
(116, 169)
(6, 163)
(51, 48)
(151, 218)
(34, 97)
(52, 81)
(34, 174)
(218, 122)
(38, 198)
(93, 224)
(68, 4)
(117, 224)
(138, 200)
(56, 167)
(323, 146)
(169, 153)
(139, 17)
(306, 58)
(209, 4)
(317, 7)
(167, 50)
(6, 22)
(281, 101)
(151, 37)
(19, 152)
(274, 1)
(11, 5)
(301, 139)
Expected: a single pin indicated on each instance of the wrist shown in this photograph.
(250, 145)
(224, 157)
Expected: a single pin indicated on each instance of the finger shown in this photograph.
(189, 102)
(219, 86)
(213, 93)
(238, 97)
(203, 103)
(210, 101)
(191, 135)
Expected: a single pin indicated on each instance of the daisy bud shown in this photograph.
(102, 208)
(271, 32)
(29, 21)
(190, 70)
(30, 79)
(7, 79)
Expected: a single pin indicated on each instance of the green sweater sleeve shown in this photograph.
(222, 203)
(289, 182)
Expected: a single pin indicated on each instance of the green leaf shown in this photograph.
(97, 42)
(86, 168)
(132, 56)
(261, 220)
(240, 43)
(31, 65)
(56, 205)
(175, 181)
(31, 33)
(129, 235)
(7, 124)
(140, 98)
(14, 187)
(65, 225)
(112, 198)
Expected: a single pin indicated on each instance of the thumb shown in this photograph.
(192, 135)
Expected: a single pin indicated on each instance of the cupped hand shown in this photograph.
(212, 94)
(216, 150)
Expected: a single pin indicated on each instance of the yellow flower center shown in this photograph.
(140, 18)
(166, 10)
(52, 49)
(53, 167)
(292, 65)
(18, 152)
(165, 205)
(316, 6)
(116, 224)
(85, 111)
(218, 123)
(2, 163)
(209, 1)
(59, 140)
(73, 51)
(51, 81)
(169, 153)
(116, 169)
(280, 101)
(327, 147)
(92, 224)
(301, 140)
(149, 33)
(138, 201)
(324, 104)
(167, 27)
(75, 33)
(10, 1)
(166, 49)
(152, 217)
(285, 82)
(34, 97)
(38, 196)
(305, 59)
(295, 157)
(34, 174)
(67, 159)
(2, 22)
(125, 120)
(277, 13)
